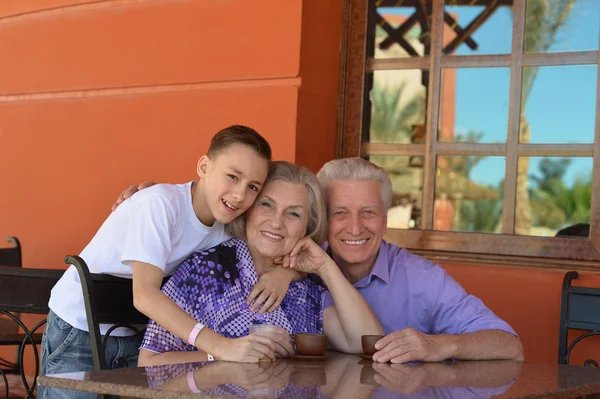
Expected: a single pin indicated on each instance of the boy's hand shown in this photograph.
(272, 287)
(130, 191)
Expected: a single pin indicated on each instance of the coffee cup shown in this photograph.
(310, 344)
(368, 343)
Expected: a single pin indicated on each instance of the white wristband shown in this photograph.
(194, 333)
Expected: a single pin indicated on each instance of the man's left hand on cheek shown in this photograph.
(411, 345)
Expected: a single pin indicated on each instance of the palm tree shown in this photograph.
(392, 115)
(543, 20)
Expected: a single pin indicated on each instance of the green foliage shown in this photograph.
(391, 121)
(555, 205)
(481, 216)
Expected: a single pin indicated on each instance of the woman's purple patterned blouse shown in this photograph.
(212, 286)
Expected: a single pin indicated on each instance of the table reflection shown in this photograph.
(339, 376)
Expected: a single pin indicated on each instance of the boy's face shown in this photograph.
(232, 180)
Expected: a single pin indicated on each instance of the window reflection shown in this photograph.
(406, 174)
(398, 107)
(490, 28)
(559, 195)
(559, 104)
(475, 101)
(561, 25)
(397, 34)
(468, 193)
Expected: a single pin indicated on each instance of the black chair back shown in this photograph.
(11, 256)
(109, 300)
(580, 309)
(24, 290)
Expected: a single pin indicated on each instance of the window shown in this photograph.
(485, 113)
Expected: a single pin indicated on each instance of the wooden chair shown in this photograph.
(24, 290)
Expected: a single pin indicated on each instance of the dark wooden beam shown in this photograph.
(398, 32)
(453, 24)
(471, 28)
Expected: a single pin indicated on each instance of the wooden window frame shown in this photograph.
(499, 248)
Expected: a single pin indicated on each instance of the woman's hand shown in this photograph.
(252, 348)
(307, 256)
(283, 343)
(272, 287)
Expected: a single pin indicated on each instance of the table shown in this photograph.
(339, 375)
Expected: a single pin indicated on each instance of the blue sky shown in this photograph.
(561, 106)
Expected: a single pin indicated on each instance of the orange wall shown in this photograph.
(529, 299)
(95, 96)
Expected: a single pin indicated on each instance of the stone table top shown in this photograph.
(339, 375)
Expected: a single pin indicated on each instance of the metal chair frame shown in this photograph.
(25, 291)
(579, 309)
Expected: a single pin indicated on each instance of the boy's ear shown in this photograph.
(202, 166)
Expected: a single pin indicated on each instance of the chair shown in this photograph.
(108, 299)
(24, 291)
(580, 309)
(11, 256)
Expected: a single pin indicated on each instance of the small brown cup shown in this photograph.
(367, 376)
(310, 344)
(368, 343)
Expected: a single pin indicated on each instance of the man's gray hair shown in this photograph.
(317, 211)
(357, 169)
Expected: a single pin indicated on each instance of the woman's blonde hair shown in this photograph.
(317, 212)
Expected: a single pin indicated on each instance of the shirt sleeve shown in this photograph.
(148, 239)
(453, 311)
(327, 300)
(158, 339)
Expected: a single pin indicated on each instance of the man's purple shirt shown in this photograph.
(408, 291)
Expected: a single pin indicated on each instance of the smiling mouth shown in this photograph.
(271, 235)
(355, 242)
(229, 206)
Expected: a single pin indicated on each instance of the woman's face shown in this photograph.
(278, 218)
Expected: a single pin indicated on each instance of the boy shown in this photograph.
(146, 238)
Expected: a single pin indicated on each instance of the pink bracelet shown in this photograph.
(192, 383)
(194, 333)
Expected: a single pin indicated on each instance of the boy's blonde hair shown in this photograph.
(317, 212)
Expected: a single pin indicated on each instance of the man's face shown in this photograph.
(357, 222)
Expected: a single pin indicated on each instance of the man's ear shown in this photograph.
(202, 166)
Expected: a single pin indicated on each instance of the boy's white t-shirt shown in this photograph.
(157, 226)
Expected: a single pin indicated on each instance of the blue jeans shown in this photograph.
(66, 349)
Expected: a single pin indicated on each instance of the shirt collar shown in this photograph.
(380, 268)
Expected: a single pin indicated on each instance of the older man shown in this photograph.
(425, 313)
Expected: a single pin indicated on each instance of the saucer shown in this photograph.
(364, 356)
(308, 357)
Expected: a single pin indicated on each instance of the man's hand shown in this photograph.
(271, 288)
(408, 345)
(400, 378)
(130, 191)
